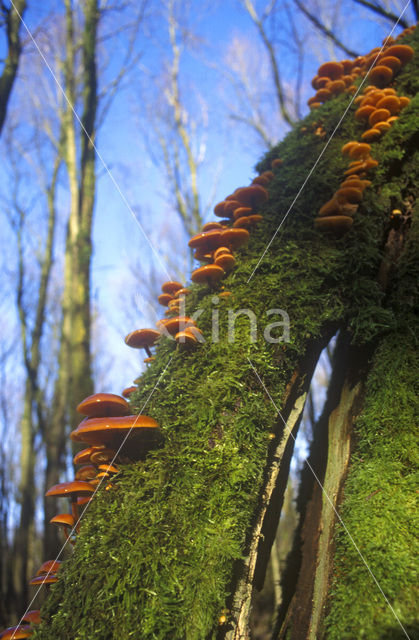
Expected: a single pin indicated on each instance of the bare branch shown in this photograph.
(324, 30)
(385, 13)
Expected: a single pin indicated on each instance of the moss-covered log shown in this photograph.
(185, 534)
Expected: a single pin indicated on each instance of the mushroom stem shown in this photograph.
(75, 512)
(147, 350)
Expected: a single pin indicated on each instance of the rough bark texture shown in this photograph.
(175, 548)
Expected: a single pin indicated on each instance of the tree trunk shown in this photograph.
(74, 380)
(12, 19)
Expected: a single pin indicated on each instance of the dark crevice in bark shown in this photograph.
(317, 460)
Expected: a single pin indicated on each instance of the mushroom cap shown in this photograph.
(346, 149)
(360, 150)
(76, 487)
(322, 95)
(246, 222)
(230, 206)
(318, 82)
(252, 196)
(171, 287)
(183, 337)
(202, 256)
(108, 468)
(33, 616)
(219, 209)
(103, 456)
(87, 472)
(220, 251)
(103, 404)
(349, 194)
(383, 126)
(379, 115)
(234, 238)
(164, 299)
(392, 62)
(128, 390)
(174, 325)
(364, 112)
(404, 101)
(392, 103)
(84, 456)
(195, 332)
(208, 274)
(206, 241)
(226, 261)
(141, 338)
(17, 632)
(380, 75)
(332, 70)
(44, 579)
(337, 86)
(276, 163)
(338, 225)
(112, 431)
(354, 182)
(49, 566)
(262, 180)
(371, 134)
(330, 208)
(401, 51)
(241, 212)
(65, 519)
(210, 226)
(182, 293)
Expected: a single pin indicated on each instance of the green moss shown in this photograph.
(155, 555)
(379, 509)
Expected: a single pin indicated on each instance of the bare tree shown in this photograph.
(10, 21)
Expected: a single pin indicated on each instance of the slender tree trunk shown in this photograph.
(14, 49)
(74, 379)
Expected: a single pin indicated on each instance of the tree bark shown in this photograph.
(12, 18)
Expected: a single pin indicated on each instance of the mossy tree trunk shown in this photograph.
(178, 546)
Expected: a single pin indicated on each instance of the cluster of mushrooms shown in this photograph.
(113, 436)
(214, 246)
(378, 108)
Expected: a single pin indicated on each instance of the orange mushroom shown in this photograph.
(381, 75)
(142, 339)
(66, 522)
(17, 632)
(75, 488)
(133, 435)
(103, 404)
(171, 287)
(208, 274)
